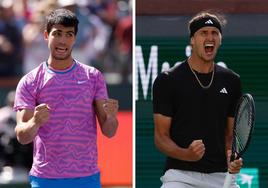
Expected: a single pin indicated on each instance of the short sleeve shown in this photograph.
(101, 89)
(25, 95)
(237, 88)
(162, 95)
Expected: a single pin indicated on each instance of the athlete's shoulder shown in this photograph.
(90, 70)
(31, 81)
(169, 75)
(227, 72)
(178, 68)
(34, 74)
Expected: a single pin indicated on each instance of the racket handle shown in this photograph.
(228, 180)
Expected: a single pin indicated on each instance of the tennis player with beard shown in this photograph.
(194, 105)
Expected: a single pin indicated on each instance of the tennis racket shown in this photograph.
(243, 127)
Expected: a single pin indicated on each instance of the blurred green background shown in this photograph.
(245, 55)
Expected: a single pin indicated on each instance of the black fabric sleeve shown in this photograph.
(162, 95)
(237, 88)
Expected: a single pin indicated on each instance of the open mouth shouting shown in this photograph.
(209, 48)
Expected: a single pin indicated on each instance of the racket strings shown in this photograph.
(243, 125)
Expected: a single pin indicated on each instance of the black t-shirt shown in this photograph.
(197, 113)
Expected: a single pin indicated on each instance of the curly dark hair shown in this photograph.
(62, 17)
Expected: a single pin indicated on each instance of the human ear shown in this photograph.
(191, 41)
(45, 35)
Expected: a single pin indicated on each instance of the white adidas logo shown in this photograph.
(209, 22)
(223, 90)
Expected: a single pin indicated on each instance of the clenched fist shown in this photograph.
(234, 166)
(196, 150)
(41, 114)
(110, 107)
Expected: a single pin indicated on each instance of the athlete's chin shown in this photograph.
(61, 58)
(209, 58)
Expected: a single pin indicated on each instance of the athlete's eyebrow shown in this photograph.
(61, 31)
(70, 32)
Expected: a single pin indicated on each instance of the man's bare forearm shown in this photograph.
(109, 127)
(26, 131)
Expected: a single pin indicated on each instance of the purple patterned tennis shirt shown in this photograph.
(65, 146)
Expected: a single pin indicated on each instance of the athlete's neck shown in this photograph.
(201, 66)
(60, 64)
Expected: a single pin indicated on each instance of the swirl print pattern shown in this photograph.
(65, 146)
